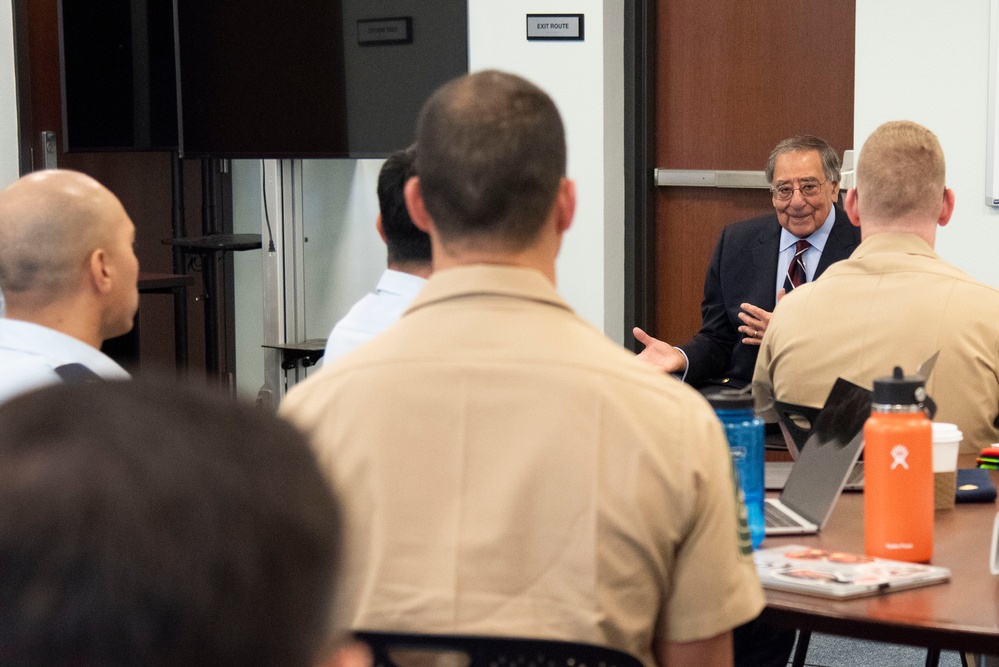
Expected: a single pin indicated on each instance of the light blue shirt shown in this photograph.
(812, 255)
(373, 314)
(30, 353)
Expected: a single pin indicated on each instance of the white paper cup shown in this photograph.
(994, 556)
(946, 444)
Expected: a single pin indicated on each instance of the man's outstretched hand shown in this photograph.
(659, 354)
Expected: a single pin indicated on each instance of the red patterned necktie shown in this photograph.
(796, 271)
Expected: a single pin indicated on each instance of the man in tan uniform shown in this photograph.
(894, 302)
(505, 469)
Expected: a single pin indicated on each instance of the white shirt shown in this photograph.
(373, 314)
(30, 353)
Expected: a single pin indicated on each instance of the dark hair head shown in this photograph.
(148, 524)
(831, 162)
(491, 158)
(406, 242)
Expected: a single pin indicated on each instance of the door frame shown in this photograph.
(639, 162)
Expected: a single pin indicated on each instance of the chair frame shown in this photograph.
(489, 651)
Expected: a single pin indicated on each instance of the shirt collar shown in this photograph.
(399, 282)
(35, 339)
(882, 242)
(818, 238)
(488, 279)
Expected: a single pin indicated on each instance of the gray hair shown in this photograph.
(830, 160)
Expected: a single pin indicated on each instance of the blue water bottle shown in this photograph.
(744, 431)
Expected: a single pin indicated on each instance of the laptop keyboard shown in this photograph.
(856, 475)
(774, 518)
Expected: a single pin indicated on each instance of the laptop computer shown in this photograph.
(823, 465)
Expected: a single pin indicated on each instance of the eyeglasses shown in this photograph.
(785, 192)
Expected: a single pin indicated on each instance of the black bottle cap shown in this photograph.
(899, 389)
(731, 399)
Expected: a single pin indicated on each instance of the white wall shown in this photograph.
(929, 62)
(586, 80)
(8, 98)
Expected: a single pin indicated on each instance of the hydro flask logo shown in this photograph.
(899, 454)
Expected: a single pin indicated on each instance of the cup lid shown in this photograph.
(944, 432)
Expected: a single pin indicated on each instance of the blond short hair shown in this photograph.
(900, 172)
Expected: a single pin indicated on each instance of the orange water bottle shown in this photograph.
(898, 471)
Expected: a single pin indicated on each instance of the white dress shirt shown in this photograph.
(373, 314)
(30, 353)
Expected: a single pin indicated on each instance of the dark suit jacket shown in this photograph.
(743, 269)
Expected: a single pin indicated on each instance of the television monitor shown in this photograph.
(117, 75)
(311, 78)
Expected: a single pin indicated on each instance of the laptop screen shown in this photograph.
(832, 448)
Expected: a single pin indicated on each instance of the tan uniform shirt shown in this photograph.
(894, 302)
(505, 469)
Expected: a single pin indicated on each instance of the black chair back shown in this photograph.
(479, 651)
(795, 423)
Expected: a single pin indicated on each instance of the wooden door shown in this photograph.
(732, 79)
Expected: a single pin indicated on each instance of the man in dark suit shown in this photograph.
(756, 262)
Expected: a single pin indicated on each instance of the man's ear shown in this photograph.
(852, 207)
(415, 206)
(948, 207)
(565, 203)
(99, 271)
(381, 228)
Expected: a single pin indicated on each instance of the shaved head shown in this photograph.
(66, 255)
(50, 222)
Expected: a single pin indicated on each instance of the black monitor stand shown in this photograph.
(211, 249)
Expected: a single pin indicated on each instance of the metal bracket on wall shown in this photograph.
(49, 151)
(710, 178)
(283, 231)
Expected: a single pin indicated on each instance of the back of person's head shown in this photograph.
(900, 173)
(50, 222)
(407, 244)
(148, 524)
(831, 162)
(491, 155)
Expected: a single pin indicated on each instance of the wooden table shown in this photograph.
(962, 614)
